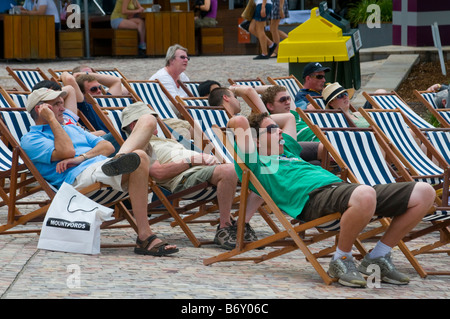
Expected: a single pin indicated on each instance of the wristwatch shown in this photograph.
(85, 156)
(188, 160)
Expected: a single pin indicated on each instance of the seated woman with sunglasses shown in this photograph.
(176, 63)
(336, 97)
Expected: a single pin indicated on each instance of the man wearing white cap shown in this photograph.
(67, 153)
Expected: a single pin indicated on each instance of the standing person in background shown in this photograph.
(208, 14)
(257, 25)
(44, 7)
(280, 11)
(126, 16)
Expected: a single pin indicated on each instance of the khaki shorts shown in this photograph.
(392, 199)
(94, 174)
(195, 178)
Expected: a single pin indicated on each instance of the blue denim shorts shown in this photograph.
(257, 14)
(115, 23)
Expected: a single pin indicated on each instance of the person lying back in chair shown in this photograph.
(176, 168)
(307, 192)
(67, 153)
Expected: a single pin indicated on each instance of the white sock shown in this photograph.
(380, 250)
(339, 254)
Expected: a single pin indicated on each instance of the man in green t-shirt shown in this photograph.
(307, 192)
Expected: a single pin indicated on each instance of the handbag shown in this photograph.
(72, 223)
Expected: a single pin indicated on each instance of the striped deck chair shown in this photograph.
(427, 99)
(358, 151)
(249, 82)
(190, 87)
(27, 78)
(114, 72)
(193, 101)
(154, 94)
(391, 101)
(290, 82)
(202, 120)
(103, 194)
(197, 197)
(286, 239)
(394, 128)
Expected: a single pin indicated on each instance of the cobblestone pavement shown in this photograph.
(29, 273)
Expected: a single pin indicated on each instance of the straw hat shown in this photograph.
(331, 91)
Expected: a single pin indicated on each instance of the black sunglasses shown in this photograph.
(182, 57)
(95, 88)
(318, 76)
(284, 99)
(271, 128)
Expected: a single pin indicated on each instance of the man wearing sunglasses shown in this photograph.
(307, 192)
(314, 82)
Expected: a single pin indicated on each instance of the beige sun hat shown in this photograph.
(42, 95)
(134, 111)
(331, 91)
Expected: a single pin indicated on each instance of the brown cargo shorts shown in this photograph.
(392, 199)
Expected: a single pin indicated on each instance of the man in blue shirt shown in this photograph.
(67, 153)
(314, 82)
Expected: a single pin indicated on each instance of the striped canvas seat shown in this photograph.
(248, 82)
(27, 78)
(195, 101)
(193, 88)
(289, 82)
(429, 97)
(395, 128)
(205, 119)
(393, 101)
(328, 119)
(150, 92)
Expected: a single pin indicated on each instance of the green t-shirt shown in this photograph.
(304, 133)
(287, 178)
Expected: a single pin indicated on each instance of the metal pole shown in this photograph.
(86, 28)
(437, 44)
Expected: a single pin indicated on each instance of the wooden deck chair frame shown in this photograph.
(36, 75)
(287, 239)
(291, 83)
(401, 175)
(441, 115)
(15, 218)
(169, 210)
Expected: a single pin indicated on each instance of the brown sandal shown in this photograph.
(157, 250)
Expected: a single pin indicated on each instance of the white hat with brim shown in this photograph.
(134, 111)
(42, 95)
(331, 91)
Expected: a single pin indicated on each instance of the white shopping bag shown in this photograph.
(72, 223)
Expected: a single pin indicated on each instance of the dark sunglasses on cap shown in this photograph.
(95, 88)
(318, 76)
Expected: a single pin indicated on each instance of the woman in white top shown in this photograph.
(45, 7)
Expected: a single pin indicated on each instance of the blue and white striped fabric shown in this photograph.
(445, 114)
(18, 122)
(206, 118)
(115, 73)
(290, 84)
(151, 93)
(196, 102)
(391, 102)
(106, 101)
(20, 99)
(441, 141)
(395, 128)
(6, 158)
(429, 97)
(193, 88)
(30, 77)
(328, 119)
(252, 83)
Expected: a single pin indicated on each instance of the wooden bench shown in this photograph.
(113, 41)
(210, 40)
(71, 43)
